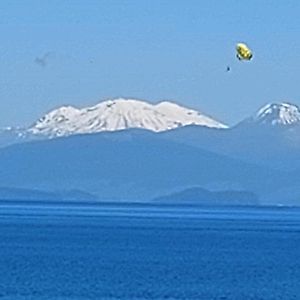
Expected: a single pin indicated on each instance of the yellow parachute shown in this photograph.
(243, 52)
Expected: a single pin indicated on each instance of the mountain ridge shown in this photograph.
(281, 114)
(130, 113)
(119, 114)
(196, 195)
(138, 162)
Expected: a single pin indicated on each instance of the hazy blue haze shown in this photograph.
(118, 252)
(146, 49)
(128, 165)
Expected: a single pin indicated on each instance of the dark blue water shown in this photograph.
(143, 252)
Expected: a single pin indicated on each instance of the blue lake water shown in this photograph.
(57, 251)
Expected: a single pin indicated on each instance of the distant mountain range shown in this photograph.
(271, 137)
(129, 165)
(131, 150)
(21, 194)
(119, 114)
(110, 115)
(122, 114)
(205, 197)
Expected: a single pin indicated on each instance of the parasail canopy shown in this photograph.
(243, 52)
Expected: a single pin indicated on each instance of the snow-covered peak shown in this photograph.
(278, 114)
(61, 114)
(120, 114)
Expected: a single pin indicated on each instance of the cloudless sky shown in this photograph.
(152, 50)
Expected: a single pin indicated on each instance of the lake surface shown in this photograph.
(59, 251)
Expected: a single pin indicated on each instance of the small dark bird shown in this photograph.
(228, 69)
(43, 60)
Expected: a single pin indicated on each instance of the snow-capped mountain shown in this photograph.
(277, 114)
(119, 114)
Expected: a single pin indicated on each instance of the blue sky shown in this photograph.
(152, 50)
